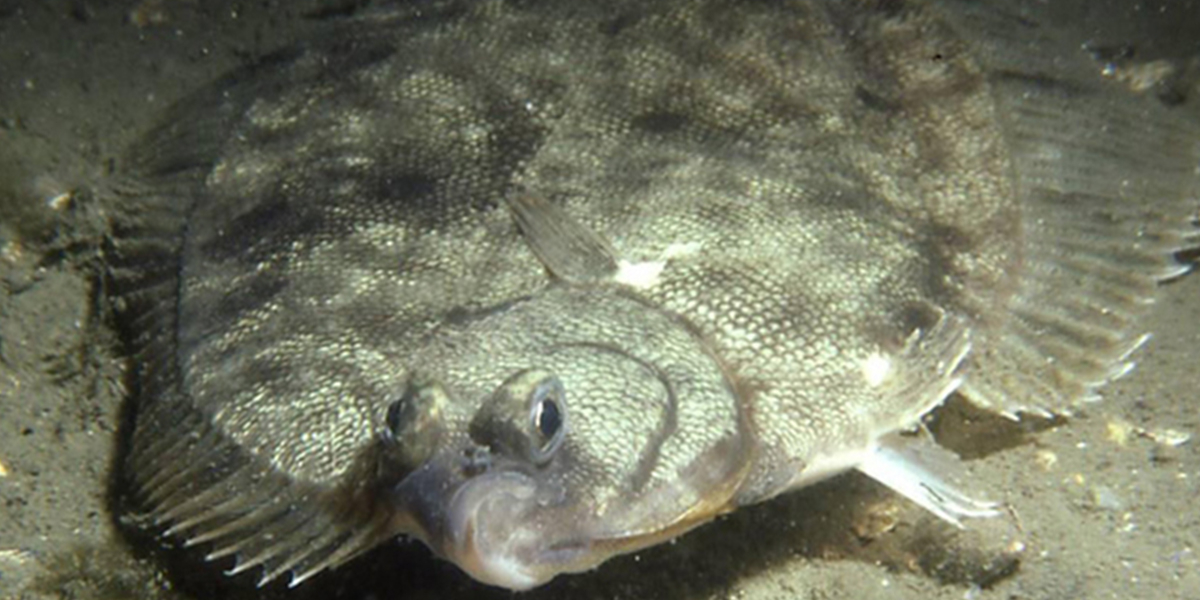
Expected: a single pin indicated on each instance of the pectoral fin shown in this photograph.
(920, 470)
(571, 251)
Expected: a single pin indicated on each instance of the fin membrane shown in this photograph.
(201, 486)
(924, 472)
(208, 491)
(926, 370)
(568, 249)
(1108, 192)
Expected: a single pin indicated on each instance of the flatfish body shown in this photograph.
(541, 283)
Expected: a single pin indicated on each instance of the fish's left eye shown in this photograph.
(526, 417)
(548, 417)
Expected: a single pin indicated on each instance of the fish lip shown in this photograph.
(496, 537)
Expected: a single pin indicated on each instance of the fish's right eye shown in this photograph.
(413, 424)
(401, 412)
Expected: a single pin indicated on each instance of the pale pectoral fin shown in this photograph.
(569, 250)
(925, 473)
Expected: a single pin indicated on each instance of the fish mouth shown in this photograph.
(504, 533)
(506, 529)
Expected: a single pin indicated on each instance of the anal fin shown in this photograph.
(920, 470)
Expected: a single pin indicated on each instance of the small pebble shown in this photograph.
(1104, 498)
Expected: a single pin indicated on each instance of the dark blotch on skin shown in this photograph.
(660, 122)
(615, 26)
(259, 291)
(874, 101)
(410, 187)
(361, 55)
(264, 230)
(206, 319)
(418, 195)
(942, 245)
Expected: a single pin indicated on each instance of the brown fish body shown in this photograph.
(540, 285)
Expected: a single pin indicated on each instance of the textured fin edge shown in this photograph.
(205, 491)
(1109, 193)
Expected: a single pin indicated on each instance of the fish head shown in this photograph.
(559, 434)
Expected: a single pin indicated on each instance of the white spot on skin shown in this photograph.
(643, 275)
(676, 250)
(639, 275)
(876, 369)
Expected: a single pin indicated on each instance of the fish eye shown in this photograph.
(400, 412)
(548, 419)
(413, 424)
(525, 417)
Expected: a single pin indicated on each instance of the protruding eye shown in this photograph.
(413, 425)
(401, 412)
(525, 417)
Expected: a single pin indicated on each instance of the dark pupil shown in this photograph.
(549, 419)
(396, 413)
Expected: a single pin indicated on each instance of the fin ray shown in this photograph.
(918, 469)
(1108, 192)
(568, 249)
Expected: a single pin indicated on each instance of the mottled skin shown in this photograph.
(789, 220)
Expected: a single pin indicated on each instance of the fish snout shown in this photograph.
(501, 530)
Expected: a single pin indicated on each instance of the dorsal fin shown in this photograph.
(570, 250)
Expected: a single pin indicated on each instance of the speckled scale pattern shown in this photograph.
(305, 247)
(822, 226)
